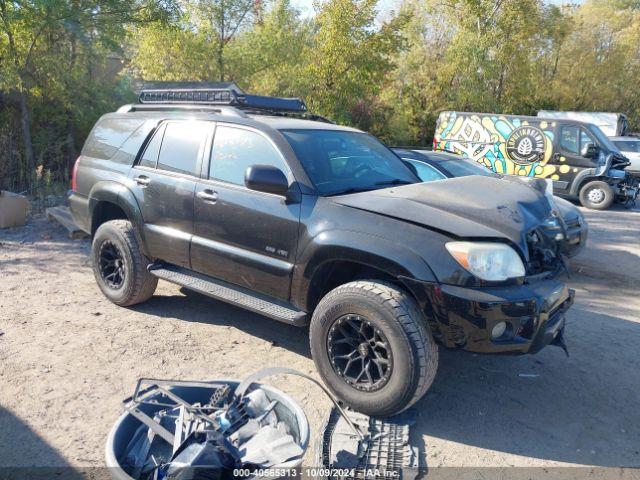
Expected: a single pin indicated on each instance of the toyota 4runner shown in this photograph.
(252, 201)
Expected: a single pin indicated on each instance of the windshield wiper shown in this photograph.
(351, 190)
(395, 181)
(386, 183)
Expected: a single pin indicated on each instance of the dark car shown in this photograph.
(252, 201)
(430, 166)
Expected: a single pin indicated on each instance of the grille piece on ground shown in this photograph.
(385, 452)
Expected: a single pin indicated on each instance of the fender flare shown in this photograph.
(346, 246)
(118, 194)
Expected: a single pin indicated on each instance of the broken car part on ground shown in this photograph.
(178, 430)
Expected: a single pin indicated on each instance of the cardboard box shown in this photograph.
(13, 209)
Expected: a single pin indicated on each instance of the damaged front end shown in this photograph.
(626, 187)
(516, 318)
(545, 249)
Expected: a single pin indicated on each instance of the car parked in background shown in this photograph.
(430, 166)
(630, 147)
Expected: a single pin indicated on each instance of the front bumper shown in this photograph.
(464, 317)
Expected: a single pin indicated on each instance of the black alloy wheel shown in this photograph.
(360, 353)
(111, 265)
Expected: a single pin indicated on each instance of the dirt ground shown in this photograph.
(68, 357)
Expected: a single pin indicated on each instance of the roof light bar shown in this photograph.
(221, 96)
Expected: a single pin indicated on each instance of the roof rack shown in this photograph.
(221, 96)
(163, 107)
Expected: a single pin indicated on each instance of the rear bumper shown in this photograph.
(464, 317)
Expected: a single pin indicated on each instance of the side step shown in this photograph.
(230, 293)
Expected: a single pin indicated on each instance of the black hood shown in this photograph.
(465, 207)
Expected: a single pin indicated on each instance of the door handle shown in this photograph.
(142, 180)
(208, 195)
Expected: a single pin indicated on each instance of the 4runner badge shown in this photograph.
(525, 144)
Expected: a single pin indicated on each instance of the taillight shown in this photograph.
(435, 142)
(74, 174)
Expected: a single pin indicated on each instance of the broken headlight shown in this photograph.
(488, 261)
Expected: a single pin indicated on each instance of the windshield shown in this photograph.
(339, 161)
(603, 139)
(464, 168)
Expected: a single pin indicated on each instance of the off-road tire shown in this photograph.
(138, 284)
(605, 191)
(397, 316)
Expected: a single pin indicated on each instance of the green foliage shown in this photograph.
(349, 57)
(63, 63)
(57, 76)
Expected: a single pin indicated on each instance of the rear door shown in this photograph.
(569, 158)
(165, 181)
(242, 236)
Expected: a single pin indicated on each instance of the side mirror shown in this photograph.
(590, 151)
(266, 178)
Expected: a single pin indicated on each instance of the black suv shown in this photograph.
(252, 201)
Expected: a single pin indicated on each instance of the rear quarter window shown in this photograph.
(109, 135)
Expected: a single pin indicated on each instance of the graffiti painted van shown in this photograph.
(581, 161)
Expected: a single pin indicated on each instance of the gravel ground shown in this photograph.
(68, 357)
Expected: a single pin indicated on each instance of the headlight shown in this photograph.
(489, 261)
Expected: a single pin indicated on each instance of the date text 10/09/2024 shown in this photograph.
(314, 473)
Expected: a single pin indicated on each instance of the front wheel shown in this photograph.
(372, 347)
(119, 265)
(597, 195)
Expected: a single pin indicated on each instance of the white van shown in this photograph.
(612, 124)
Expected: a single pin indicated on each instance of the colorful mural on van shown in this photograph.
(505, 144)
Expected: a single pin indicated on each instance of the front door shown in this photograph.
(244, 237)
(569, 158)
(164, 182)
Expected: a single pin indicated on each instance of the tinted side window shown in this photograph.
(181, 146)
(150, 155)
(108, 135)
(426, 173)
(569, 139)
(235, 149)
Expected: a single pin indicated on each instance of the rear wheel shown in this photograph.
(597, 195)
(119, 266)
(372, 347)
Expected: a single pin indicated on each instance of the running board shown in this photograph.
(229, 293)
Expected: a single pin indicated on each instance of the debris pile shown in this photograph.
(208, 427)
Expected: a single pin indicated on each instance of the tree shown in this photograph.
(272, 56)
(349, 57)
(183, 50)
(599, 65)
(40, 42)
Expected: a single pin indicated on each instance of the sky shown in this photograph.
(384, 6)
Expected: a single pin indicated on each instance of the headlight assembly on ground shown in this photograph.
(488, 261)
